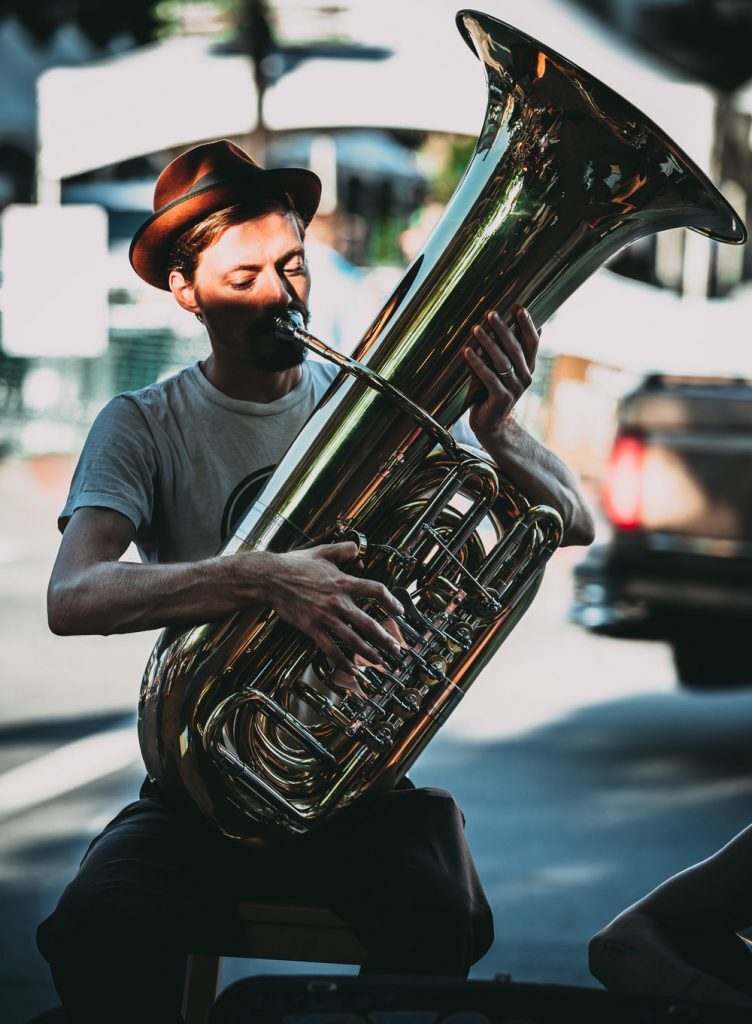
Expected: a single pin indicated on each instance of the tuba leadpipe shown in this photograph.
(243, 720)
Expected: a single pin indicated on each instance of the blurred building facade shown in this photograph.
(377, 174)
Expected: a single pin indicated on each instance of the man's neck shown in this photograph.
(237, 379)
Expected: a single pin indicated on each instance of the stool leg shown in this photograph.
(201, 987)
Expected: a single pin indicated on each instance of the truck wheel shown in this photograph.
(713, 656)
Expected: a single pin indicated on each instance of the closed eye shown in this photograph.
(297, 265)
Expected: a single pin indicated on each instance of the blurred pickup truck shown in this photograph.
(678, 494)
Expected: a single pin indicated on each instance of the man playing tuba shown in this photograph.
(172, 467)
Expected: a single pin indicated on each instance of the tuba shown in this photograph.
(241, 720)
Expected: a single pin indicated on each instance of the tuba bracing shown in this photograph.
(240, 720)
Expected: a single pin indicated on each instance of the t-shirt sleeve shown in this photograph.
(118, 467)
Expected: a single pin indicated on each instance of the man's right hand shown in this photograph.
(91, 591)
(310, 590)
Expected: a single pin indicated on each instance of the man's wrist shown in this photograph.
(500, 438)
(253, 576)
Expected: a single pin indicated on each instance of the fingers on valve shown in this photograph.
(375, 633)
(354, 641)
(378, 592)
(330, 649)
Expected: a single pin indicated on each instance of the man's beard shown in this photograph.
(283, 352)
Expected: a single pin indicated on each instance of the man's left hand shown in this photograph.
(506, 371)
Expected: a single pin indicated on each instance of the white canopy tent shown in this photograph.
(641, 329)
(432, 81)
(743, 98)
(158, 96)
(183, 91)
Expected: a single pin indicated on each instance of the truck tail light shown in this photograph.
(622, 494)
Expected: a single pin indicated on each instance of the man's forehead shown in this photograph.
(265, 234)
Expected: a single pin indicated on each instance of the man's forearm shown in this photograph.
(126, 597)
(543, 478)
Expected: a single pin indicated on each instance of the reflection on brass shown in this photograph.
(243, 720)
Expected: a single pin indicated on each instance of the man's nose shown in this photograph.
(276, 289)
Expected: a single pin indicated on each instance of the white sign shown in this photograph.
(54, 280)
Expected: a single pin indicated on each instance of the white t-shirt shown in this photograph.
(184, 462)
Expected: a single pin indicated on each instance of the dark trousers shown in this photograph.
(154, 887)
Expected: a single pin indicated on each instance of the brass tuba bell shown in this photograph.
(240, 720)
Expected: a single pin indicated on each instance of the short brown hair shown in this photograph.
(185, 253)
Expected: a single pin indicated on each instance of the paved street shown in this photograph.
(585, 776)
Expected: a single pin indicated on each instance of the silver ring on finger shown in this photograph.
(505, 373)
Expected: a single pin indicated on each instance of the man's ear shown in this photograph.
(185, 293)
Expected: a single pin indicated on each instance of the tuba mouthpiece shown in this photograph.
(285, 324)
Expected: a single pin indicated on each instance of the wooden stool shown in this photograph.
(271, 931)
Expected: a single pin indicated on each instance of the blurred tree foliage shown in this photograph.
(245, 22)
(443, 184)
(710, 40)
(383, 242)
(100, 20)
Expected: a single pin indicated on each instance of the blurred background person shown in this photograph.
(682, 940)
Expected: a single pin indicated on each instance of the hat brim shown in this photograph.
(155, 238)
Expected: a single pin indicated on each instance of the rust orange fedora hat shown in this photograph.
(201, 181)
